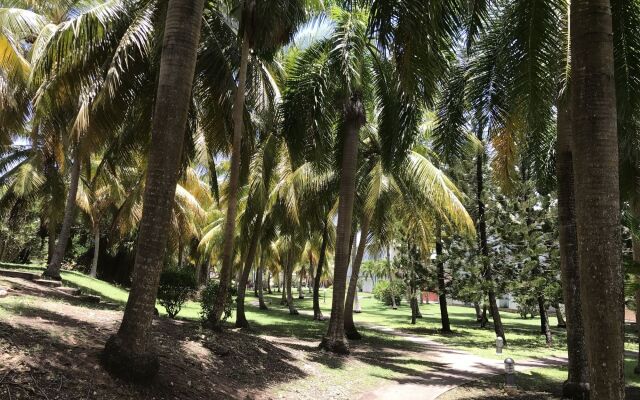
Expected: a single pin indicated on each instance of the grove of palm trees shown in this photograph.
(320, 199)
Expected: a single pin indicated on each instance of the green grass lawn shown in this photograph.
(524, 340)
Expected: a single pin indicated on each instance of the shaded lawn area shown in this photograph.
(524, 340)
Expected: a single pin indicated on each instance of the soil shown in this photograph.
(49, 349)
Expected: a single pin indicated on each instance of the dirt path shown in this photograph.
(451, 368)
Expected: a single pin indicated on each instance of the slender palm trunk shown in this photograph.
(317, 313)
(545, 328)
(391, 289)
(577, 384)
(130, 353)
(234, 185)
(354, 118)
(300, 294)
(290, 267)
(595, 162)
(484, 249)
(349, 326)
(96, 252)
(51, 240)
(241, 319)
(259, 284)
(269, 282)
(635, 210)
(53, 268)
(442, 287)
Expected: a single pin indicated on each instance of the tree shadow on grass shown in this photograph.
(35, 358)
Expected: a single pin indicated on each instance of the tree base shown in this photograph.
(352, 334)
(575, 390)
(318, 317)
(50, 275)
(242, 323)
(127, 365)
(263, 306)
(334, 346)
(293, 311)
(446, 331)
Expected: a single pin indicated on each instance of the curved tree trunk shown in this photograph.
(595, 162)
(354, 118)
(317, 313)
(53, 268)
(577, 384)
(234, 186)
(350, 329)
(130, 354)
(484, 248)
(96, 252)
(241, 319)
(442, 287)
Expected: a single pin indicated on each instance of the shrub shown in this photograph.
(175, 288)
(208, 298)
(382, 291)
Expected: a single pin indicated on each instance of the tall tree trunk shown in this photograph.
(577, 384)
(269, 282)
(442, 287)
(96, 252)
(595, 161)
(241, 319)
(53, 268)
(51, 240)
(130, 353)
(545, 329)
(561, 322)
(290, 267)
(259, 284)
(234, 184)
(283, 299)
(350, 329)
(394, 306)
(300, 294)
(635, 210)
(476, 305)
(317, 313)
(484, 248)
(354, 118)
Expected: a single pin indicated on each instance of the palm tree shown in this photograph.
(129, 353)
(597, 193)
(264, 26)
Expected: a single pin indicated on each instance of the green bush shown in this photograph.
(208, 298)
(382, 291)
(175, 288)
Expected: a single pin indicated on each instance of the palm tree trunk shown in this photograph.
(283, 300)
(96, 252)
(269, 282)
(241, 319)
(577, 384)
(51, 240)
(635, 210)
(53, 268)
(290, 266)
(394, 306)
(350, 329)
(442, 287)
(545, 329)
(317, 313)
(484, 248)
(300, 294)
(130, 354)
(595, 162)
(234, 185)
(354, 118)
(259, 284)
